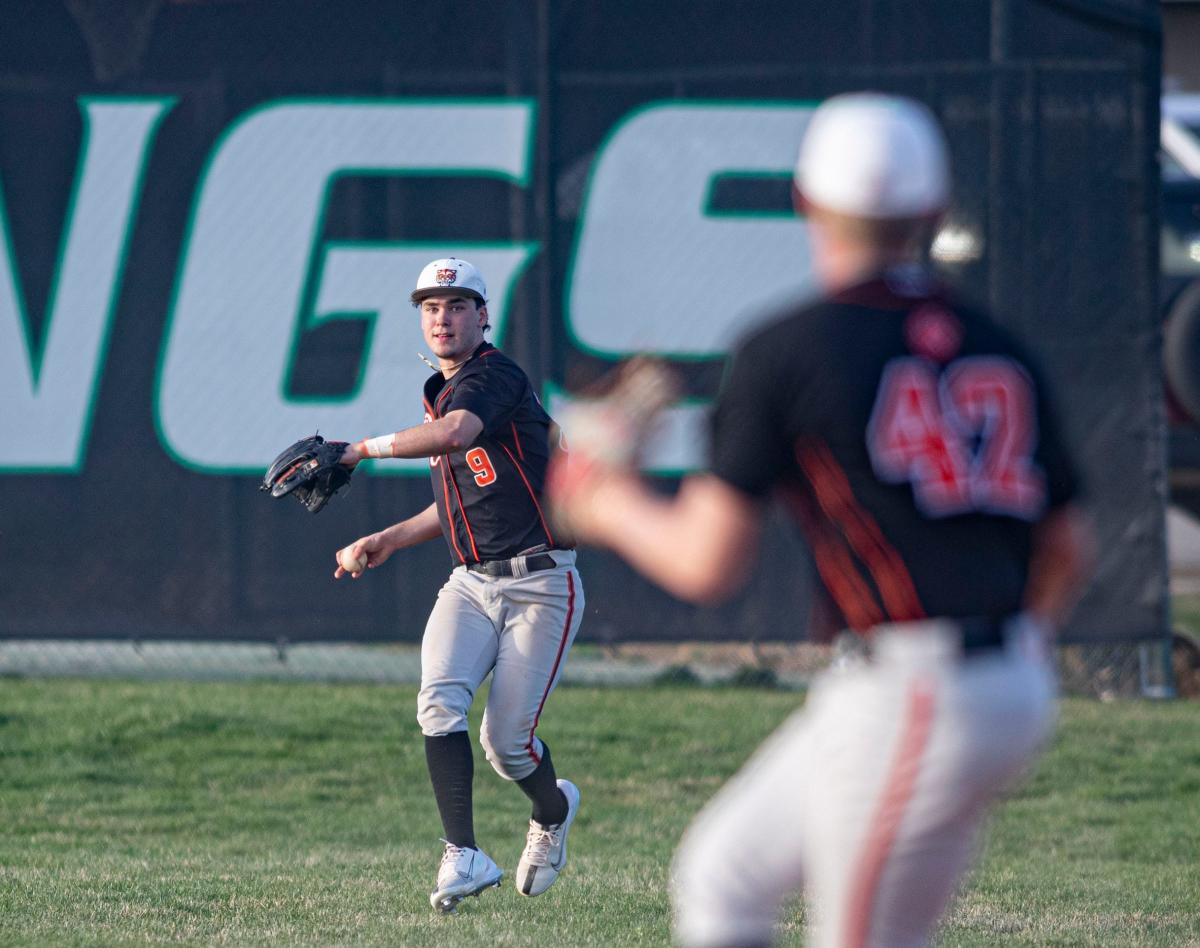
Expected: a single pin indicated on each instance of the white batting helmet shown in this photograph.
(449, 275)
(871, 155)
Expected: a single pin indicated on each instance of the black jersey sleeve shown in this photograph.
(750, 444)
(491, 394)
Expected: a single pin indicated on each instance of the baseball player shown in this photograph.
(514, 600)
(913, 441)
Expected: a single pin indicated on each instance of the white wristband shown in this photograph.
(380, 447)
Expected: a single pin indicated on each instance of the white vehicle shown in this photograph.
(1179, 161)
(1180, 136)
(1180, 290)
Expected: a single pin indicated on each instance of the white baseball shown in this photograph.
(346, 560)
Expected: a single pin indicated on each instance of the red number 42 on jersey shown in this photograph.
(963, 437)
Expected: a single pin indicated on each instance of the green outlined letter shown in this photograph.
(48, 395)
(652, 270)
(253, 245)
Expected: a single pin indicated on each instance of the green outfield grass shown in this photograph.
(293, 814)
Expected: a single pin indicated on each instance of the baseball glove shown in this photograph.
(309, 471)
(608, 431)
(615, 421)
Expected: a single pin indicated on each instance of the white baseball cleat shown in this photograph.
(546, 848)
(463, 872)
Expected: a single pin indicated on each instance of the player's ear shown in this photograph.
(799, 204)
(483, 316)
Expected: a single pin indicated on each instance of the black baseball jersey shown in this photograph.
(489, 497)
(911, 437)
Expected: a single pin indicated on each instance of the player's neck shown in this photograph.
(449, 367)
(843, 264)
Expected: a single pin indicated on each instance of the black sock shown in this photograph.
(451, 770)
(549, 804)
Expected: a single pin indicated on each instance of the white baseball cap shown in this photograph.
(446, 275)
(871, 155)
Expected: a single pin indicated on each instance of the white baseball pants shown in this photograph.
(870, 798)
(518, 628)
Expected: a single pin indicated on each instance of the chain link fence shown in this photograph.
(1159, 669)
(1151, 670)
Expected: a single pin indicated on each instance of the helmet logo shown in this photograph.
(446, 277)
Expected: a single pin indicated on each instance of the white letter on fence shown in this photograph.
(655, 270)
(222, 405)
(47, 392)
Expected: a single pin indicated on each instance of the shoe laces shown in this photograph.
(538, 843)
(450, 857)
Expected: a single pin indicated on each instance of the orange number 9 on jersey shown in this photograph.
(479, 462)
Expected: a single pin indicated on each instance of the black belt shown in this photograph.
(981, 633)
(534, 563)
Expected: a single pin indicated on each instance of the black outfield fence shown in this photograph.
(213, 213)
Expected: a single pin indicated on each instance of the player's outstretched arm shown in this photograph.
(378, 547)
(455, 432)
(699, 545)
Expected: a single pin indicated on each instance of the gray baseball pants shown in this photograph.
(519, 629)
(871, 798)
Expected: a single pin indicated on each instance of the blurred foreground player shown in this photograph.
(913, 442)
(513, 602)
